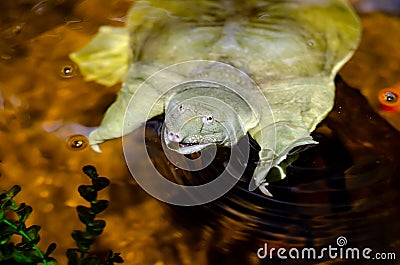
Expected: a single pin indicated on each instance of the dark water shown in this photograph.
(348, 186)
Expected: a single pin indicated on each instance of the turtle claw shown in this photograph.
(263, 189)
(96, 148)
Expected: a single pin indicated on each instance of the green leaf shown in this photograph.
(97, 228)
(6, 197)
(100, 183)
(22, 246)
(114, 258)
(99, 206)
(85, 214)
(83, 240)
(78, 235)
(99, 224)
(90, 171)
(6, 231)
(50, 249)
(84, 246)
(33, 233)
(72, 255)
(23, 211)
(23, 257)
(93, 260)
(14, 191)
(87, 192)
(118, 259)
(3, 196)
(16, 207)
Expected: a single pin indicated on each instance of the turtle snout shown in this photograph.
(174, 137)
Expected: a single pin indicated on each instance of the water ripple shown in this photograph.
(340, 187)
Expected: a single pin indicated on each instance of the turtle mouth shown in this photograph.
(185, 148)
(184, 145)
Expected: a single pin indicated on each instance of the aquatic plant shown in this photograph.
(94, 227)
(12, 222)
(26, 251)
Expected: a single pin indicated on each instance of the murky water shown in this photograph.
(346, 186)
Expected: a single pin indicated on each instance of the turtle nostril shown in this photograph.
(174, 137)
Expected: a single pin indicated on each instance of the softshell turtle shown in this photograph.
(291, 49)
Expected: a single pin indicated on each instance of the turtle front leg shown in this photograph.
(274, 173)
(269, 170)
(277, 143)
(113, 121)
(124, 116)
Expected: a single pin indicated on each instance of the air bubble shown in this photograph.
(68, 71)
(390, 97)
(77, 142)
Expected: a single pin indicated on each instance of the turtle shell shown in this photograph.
(267, 39)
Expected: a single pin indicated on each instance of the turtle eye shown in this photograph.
(209, 119)
(181, 109)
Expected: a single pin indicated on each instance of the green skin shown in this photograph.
(195, 121)
(196, 124)
(291, 49)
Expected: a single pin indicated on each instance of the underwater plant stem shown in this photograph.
(22, 233)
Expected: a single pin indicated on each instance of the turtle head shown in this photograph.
(198, 122)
